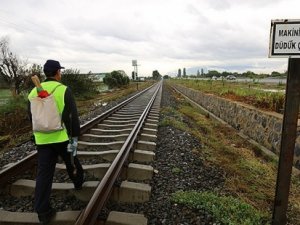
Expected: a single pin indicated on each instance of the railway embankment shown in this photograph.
(264, 127)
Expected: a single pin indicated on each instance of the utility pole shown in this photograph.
(281, 47)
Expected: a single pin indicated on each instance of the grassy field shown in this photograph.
(250, 176)
(265, 96)
(15, 126)
(5, 94)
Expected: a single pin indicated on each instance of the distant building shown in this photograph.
(97, 77)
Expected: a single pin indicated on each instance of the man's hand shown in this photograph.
(72, 146)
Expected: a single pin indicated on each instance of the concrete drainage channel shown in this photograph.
(104, 142)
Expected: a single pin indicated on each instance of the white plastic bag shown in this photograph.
(45, 115)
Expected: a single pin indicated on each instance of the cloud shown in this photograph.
(165, 35)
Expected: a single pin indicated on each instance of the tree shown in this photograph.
(184, 73)
(249, 74)
(275, 74)
(11, 68)
(34, 69)
(179, 73)
(225, 73)
(81, 84)
(156, 75)
(198, 73)
(116, 79)
(212, 73)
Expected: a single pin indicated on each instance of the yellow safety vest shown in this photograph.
(59, 93)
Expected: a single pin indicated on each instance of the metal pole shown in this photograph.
(137, 79)
(288, 137)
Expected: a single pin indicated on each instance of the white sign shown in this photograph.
(134, 62)
(285, 38)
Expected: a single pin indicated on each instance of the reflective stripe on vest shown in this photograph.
(59, 95)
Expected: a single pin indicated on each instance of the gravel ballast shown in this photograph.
(179, 166)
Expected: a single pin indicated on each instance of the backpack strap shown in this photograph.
(55, 88)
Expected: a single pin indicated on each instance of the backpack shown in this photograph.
(45, 115)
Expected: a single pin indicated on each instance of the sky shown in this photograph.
(163, 35)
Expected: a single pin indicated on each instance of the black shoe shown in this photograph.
(78, 184)
(46, 217)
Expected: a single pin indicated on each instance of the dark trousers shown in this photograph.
(47, 158)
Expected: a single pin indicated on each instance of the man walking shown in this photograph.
(51, 144)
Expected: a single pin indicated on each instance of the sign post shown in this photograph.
(285, 42)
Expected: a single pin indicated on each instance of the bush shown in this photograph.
(17, 103)
(225, 209)
(116, 79)
(81, 84)
(14, 117)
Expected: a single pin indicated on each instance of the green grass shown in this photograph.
(250, 175)
(251, 93)
(18, 103)
(174, 118)
(5, 94)
(225, 209)
(176, 170)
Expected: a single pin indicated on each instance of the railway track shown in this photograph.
(115, 148)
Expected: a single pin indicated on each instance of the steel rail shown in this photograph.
(31, 160)
(89, 215)
(24, 164)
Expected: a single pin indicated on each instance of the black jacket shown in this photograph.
(69, 114)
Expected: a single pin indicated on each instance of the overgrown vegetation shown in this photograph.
(116, 79)
(82, 85)
(225, 209)
(247, 74)
(15, 126)
(249, 176)
(18, 103)
(255, 94)
(14, 123)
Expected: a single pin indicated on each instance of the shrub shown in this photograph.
(116, 79)
(81, 84)
(14, 104)
(227, 210)
(14, 117)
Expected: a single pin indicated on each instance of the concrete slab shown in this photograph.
(122, 218)
(132, 192)
(107, 155)
(153, 117)
(128, 117)
(106, 131)
(149, 131)
(143, 156)
(146, 145)
(152, 120)
(127, 192)
(139, 172)
(97, 137)
(96, 170)
(26, 218)
(97, 146)
(151, 125)
(124, 121)
(147, 137)
(116, 126)
(25, 187)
